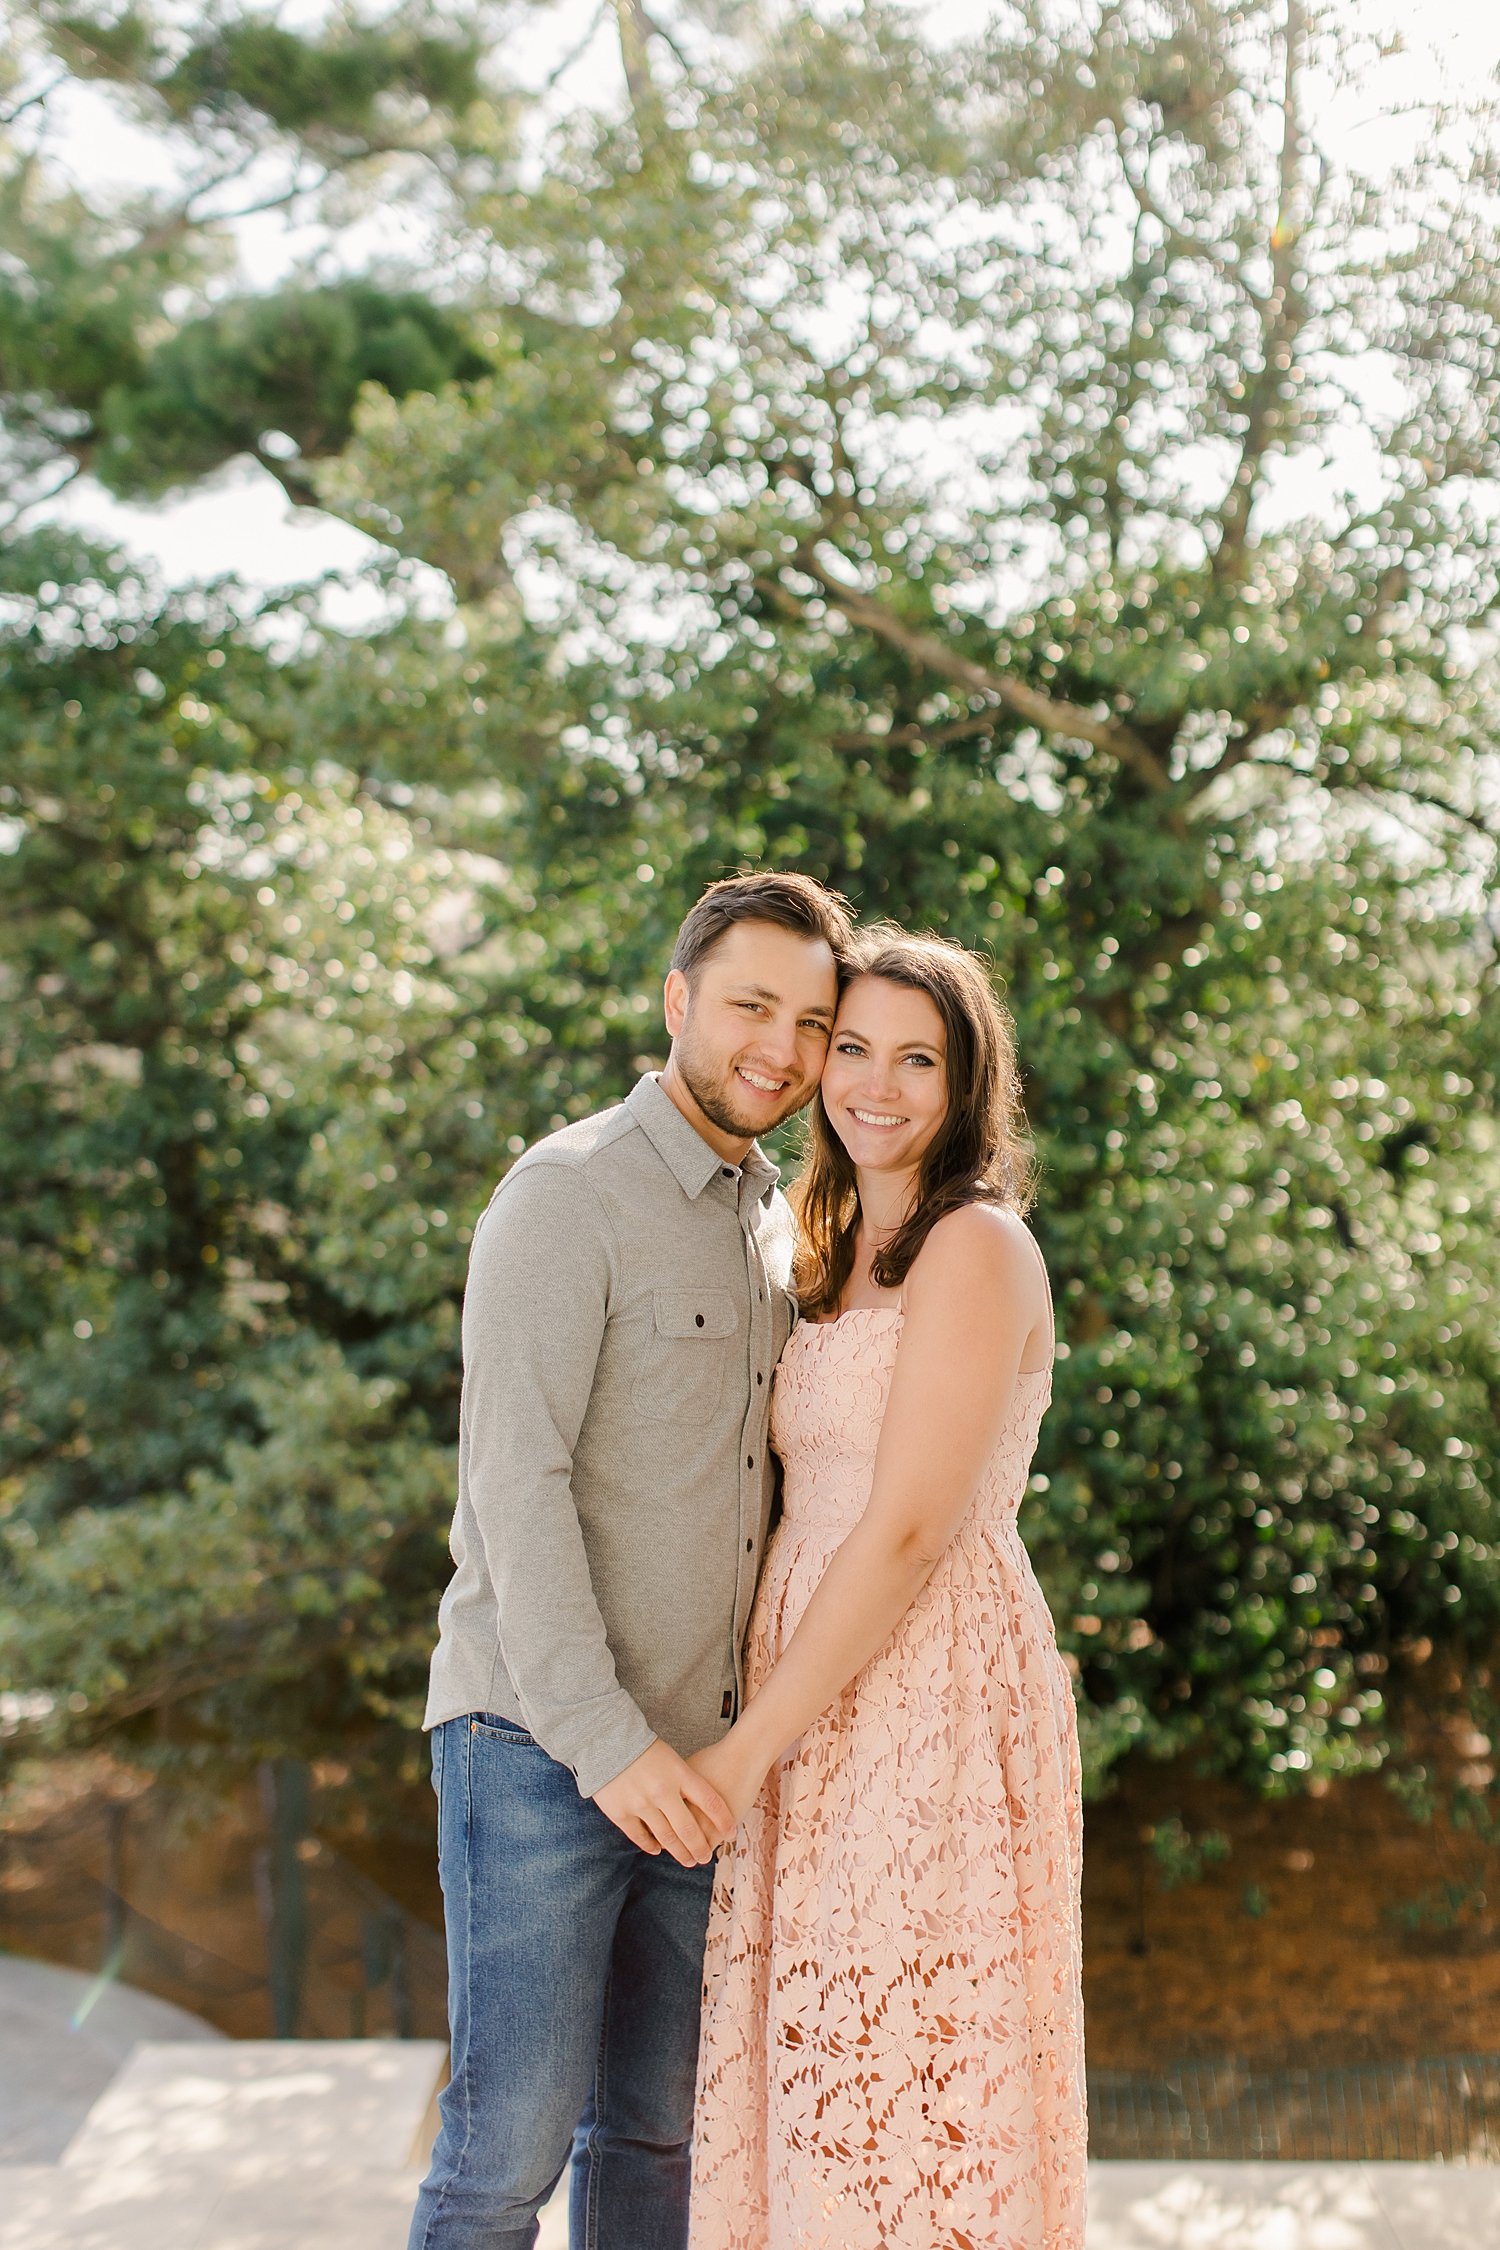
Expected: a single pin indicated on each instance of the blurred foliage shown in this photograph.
(1180, 1856)
(922, 465)
(277, 376)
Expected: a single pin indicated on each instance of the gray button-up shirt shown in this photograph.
(628, 1298)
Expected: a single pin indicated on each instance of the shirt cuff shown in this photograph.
(609, 1749)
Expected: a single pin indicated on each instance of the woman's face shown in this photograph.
(885, 1084)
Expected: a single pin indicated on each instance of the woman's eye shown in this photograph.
(924, 1060)
(849, 1047)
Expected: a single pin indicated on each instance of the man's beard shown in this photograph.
(716, 1102)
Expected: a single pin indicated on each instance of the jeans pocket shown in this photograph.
(500, 1730)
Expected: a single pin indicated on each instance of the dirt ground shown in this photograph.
(1300, 1948)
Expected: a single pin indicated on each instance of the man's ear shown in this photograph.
(674, 1001)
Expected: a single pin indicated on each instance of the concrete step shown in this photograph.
(237, 2110)
(63, 2037)
(246, 2145)
(334, 2210)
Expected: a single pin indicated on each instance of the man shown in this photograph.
(627, 1302)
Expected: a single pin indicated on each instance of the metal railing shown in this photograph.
(328, 1953)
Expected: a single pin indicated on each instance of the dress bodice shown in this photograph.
(827, 1407)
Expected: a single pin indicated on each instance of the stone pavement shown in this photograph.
(197, 2143)
(63, 2037)
(1262, 2207)
(1294, 2207)
(237, 2145)
(1268, 2207)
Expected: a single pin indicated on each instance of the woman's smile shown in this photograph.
(885, 1084)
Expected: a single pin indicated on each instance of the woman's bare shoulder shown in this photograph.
(982, 1246)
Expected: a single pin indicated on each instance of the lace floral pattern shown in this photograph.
(892, 2052)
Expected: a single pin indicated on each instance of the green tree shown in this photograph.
(118, 354)
(925, 465)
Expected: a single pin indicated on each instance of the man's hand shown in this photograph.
(662, 1805)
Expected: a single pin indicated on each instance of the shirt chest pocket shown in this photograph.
(688, 1350)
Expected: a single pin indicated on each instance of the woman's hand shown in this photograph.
(734, 1768)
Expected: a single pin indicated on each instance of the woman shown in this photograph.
(892, 2037)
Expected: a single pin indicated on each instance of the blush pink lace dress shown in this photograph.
(892, 2053)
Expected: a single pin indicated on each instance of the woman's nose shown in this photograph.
(880, 1082)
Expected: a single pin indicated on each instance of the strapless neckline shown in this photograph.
(894, 1312)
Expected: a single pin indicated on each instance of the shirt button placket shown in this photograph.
(762, 1353)
(749, 1510)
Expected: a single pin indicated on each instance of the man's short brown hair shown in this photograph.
(793, 902)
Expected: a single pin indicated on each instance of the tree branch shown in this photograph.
(1175, 236)
(635, 30)
(575, 52)
(38, 100)
(183, 219)
(1462, 814)
(1279, 322)
(68, 469)
(1050, 714)
(905, 737)
(660, 31)
(1261, 719)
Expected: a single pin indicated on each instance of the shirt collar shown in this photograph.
(687, 1156)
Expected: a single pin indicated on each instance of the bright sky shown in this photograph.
(242, 520)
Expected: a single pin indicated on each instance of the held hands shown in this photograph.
(663, 1805)
(734, 1770)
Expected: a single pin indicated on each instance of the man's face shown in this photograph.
(750, 1032)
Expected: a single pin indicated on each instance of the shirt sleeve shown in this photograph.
(533, 1322)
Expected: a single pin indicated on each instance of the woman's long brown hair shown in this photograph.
(979, 1153)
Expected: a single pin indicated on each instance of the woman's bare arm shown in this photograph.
(975, 1298)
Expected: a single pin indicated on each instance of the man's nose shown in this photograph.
(779, 1042)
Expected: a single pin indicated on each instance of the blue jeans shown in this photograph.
(575, 1968)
